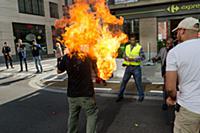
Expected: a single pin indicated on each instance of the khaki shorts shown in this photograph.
(186, 122)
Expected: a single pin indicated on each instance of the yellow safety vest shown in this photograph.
(135, 52)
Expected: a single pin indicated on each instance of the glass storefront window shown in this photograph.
(162, 30)
(130, 26)
(162, 34)
(28, 33)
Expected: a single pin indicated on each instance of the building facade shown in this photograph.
(29, 20)
(153, 20)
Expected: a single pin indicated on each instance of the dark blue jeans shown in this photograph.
(137, 75)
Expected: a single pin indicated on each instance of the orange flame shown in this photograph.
(92, 31)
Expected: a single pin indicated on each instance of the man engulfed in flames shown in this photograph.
(90, 30)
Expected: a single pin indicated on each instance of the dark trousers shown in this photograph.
(137, 75)
(91, 110)
(58, 60)
(21, 63)
(8, 58)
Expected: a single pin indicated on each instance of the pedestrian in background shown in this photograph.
(36, 56)
(21, 50)
(162, 55)
(183, 64)
(133, 57)
(58, 52)
(80, 91)
(6, 53)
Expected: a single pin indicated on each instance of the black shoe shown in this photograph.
(37, 72)
(140, 99)
(119, 98)
(20, 71)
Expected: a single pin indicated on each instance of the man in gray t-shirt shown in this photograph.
(183, 64)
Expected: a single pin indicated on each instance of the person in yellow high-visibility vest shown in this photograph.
(133, 56)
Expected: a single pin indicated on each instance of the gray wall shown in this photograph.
(9, 13)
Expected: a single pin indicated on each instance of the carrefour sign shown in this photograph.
(177, 8)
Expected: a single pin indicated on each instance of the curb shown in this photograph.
(154, 95)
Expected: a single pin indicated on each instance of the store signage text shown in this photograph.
(177, 8)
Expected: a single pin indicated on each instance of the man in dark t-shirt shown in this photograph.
(80, 91)
(6, 52)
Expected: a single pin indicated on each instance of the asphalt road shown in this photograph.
(29, 109)
(42, 111)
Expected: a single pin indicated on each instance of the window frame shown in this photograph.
(22, 8)
(53, 9)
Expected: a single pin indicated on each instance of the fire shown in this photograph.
(92, 31)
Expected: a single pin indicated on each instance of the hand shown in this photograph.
(66, 51)
(153, 59)
(170, 101)
(126, 59)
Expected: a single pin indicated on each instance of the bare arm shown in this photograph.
(170, 85)
(158, 56)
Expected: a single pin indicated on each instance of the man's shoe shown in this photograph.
(119, 98)
(140, 99)
(37, 72)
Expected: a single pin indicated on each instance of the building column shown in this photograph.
(6, 35)
(49, 39)
(148, 36)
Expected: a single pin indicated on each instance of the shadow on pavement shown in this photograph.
(47, 112)
(1, 78)
(16, 80)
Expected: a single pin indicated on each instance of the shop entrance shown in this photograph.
(165, 27)
(173, 24)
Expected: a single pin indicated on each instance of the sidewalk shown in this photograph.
(10, 75)
(150, 74)
(152, 80)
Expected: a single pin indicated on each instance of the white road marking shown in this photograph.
(157, 83)
(103, 89)
(156, 91)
